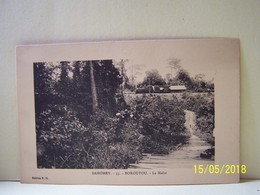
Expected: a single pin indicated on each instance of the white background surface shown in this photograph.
(245, 188)
(57, 21)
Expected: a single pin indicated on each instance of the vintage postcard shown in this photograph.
(146, 112)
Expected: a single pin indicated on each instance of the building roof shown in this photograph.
(177, 87)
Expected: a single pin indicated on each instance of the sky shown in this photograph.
(138, 67)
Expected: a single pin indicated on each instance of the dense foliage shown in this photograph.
(161, 121)
(153, 78)
(204, 107)
(65, 142)
(69, 132)
(72, 133)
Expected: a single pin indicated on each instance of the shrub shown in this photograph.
(204, 107)
(64, 142)
(161, 121)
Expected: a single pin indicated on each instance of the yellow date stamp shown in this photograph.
(217, 169)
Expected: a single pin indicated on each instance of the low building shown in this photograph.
(177, 88)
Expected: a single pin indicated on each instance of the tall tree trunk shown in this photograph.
(93, 88)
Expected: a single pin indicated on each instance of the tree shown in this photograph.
(183, 78)
(43, 85)
(199, 77)
(136, 71)
(93, 87)
(63, 86)
(108, 80)
(76, 75)
(121, 68)
(81, 90)
(174, 63)
(100, 81)
(168, 78)
(42, 78)
(82, 98)
(153, 78)
(201, 85)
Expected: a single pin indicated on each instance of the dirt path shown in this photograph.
(185, 156)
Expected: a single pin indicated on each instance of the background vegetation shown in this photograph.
(84, 121)
(204, 107)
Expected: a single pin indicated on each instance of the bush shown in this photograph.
(204, 107)
(161, 121)
(64, 142)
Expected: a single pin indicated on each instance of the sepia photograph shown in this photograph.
(116, 114)
(153, 112)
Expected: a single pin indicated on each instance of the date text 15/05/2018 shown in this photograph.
(219, 169)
